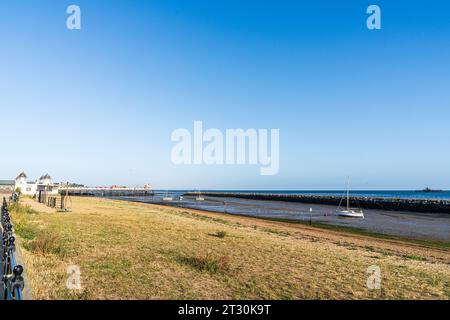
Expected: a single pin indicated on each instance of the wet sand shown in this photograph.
(425, 226)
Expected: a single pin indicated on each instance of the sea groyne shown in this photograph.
(413, 205)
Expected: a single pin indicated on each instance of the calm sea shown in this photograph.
(443, 195)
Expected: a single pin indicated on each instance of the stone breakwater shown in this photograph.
(413, 205)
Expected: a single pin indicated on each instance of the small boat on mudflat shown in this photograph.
(199, 197)
(167, 197)
(349, 212)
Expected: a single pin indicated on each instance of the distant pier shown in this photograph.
(106, 192)
(412, 205)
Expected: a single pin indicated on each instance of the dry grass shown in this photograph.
(47, 242)
(207, 263)
(220, 234)
(139, 251)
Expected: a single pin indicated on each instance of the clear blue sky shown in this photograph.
(97, 106)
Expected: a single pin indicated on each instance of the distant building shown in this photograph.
(7, 186)
(44, 183)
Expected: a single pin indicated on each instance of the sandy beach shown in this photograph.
(129, 250)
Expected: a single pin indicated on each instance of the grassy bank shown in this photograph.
(360, 231)
(139, 251)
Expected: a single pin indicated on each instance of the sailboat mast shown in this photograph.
(348, 193)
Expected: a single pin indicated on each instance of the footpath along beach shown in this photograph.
(128, 250)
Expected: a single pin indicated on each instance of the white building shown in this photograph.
(44, 183)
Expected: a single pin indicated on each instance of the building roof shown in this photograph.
(46, 176)
(22, 175)
(7, 182)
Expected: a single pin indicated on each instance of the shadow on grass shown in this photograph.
(47, 242)
(218, 234)
(207, 263)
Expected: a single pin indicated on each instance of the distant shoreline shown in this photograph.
(392, 204)
(390, 194)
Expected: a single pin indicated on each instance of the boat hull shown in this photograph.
(350, 214)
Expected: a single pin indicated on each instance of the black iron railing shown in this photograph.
(12, 280)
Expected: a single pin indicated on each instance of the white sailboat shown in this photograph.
(167, 198)
(349, 212)
(199, 197)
